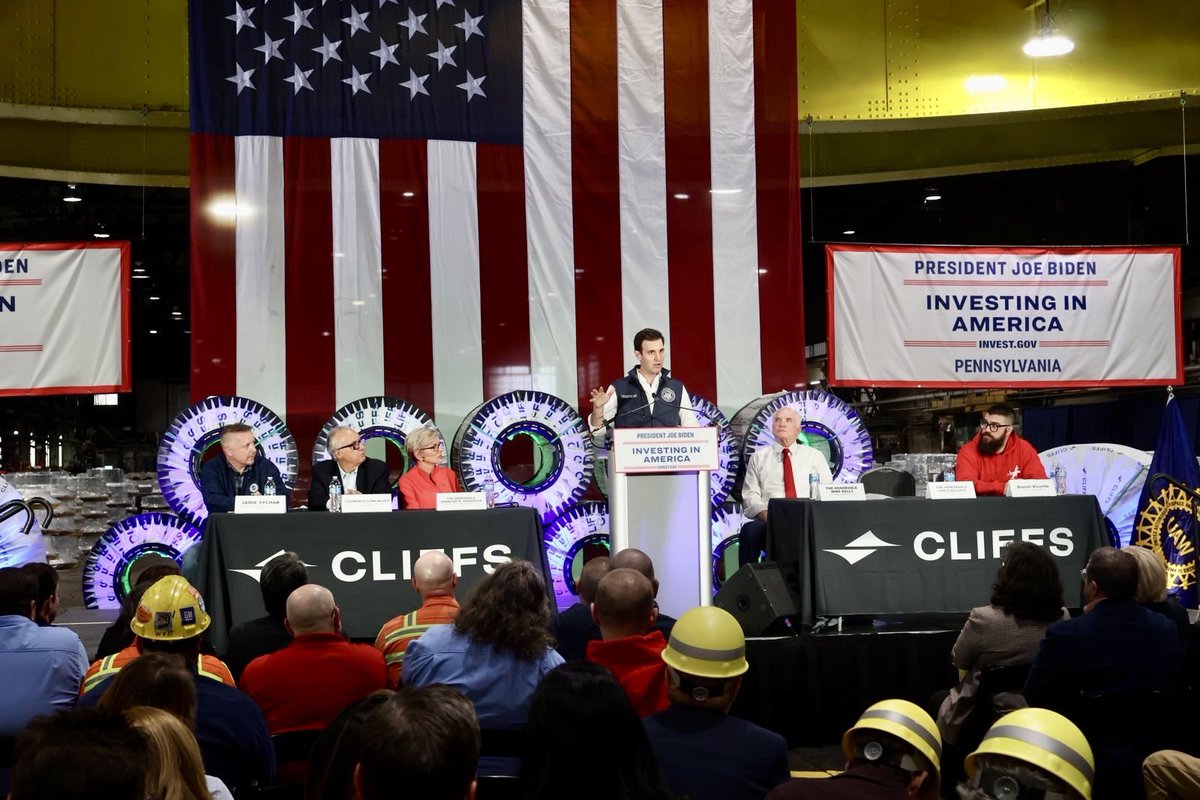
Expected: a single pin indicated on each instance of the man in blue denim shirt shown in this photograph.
(42, 667)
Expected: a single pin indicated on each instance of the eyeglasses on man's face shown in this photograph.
(992, 427)
(357, 443)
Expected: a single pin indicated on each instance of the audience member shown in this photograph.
(1027, 598)
(174, 770)
(80, 755)
(632, 558)
(282, 575)
(170, 618)
(495, 653)
(624, 610)
(1171, 775)
(1116, 646)
(426, 478)
(118, 636)
(421, 742)
(578, 711)
(574, 628)
(705, 753)
(892, 752)
(41, 667)
(338, 749)
(47, 596)
(434, 580)
(1030, 753)
(306, 684)
(157, 680)
(1152, 589)
(230, 729)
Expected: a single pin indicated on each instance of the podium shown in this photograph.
(659, 503)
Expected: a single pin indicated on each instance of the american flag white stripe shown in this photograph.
(548, 200)
(641, 119)
(734, 203)
(259, 291)
(357, 265)
(454, 271)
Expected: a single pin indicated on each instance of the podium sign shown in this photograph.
(665, 449)
(659, 502)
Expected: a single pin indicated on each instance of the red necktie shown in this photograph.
(789, 480)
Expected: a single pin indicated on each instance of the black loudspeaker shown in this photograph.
(761, 597)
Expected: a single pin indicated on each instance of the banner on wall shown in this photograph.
(940, 317)
(64, 318)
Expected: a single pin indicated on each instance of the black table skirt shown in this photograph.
(364, 559)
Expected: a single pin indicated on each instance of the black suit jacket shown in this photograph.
(372, 478)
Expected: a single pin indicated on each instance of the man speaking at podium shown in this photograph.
(355, 472)
(647, 397)
(997, 454)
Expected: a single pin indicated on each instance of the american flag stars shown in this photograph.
(406, 37)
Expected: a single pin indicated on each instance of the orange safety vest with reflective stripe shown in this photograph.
(397, 632)
(100, 671)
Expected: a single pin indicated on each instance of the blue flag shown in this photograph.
(1166, 521)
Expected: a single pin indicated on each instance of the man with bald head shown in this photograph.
(625, 611)
(435, 581)
(779, 470)
(632, 558)
(348, 462)
(574, 628)
(309, 682)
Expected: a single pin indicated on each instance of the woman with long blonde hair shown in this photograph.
(175, 771)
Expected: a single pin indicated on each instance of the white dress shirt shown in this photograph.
(764, 475)
(687, 416)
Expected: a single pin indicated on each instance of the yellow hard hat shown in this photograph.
(904, 720)
(707, 642)
(1044, 739)
(170, 609)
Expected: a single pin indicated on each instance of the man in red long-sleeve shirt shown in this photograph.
(997, 454)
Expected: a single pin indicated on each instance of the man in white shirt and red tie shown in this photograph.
(778, 470)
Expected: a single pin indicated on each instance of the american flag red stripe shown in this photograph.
(550, 253)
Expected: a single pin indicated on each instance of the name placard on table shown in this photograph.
(950, 490)
(366, 503)
(1029, 487)
(664, 449)
(840, 491)
(260, 504)
(462, 501)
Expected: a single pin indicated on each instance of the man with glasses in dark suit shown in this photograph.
(997, 454)
(349, 463)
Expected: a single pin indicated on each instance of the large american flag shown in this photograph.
(445, 200)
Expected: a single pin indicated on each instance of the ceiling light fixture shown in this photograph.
(930, 198)
(1048, 40)
(849, 233)
(71, 195)
(101, 232)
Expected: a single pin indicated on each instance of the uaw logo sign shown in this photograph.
(1165, 526)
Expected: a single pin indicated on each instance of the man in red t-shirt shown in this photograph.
(997, 454)
(309, 682)
(625, 611)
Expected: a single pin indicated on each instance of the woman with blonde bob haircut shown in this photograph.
(427, 478)
(176, 770)
(1152, 589)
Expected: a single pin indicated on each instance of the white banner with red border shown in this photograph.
(64, 318)
(963, 317)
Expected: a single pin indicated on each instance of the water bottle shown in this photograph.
(948, 475)
(1060, 480)
(489, 488)
(814, 480)
(269, 487)
(335, 494)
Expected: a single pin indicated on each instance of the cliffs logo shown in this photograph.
(349, 566)
(980, 545)
(861, 547)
